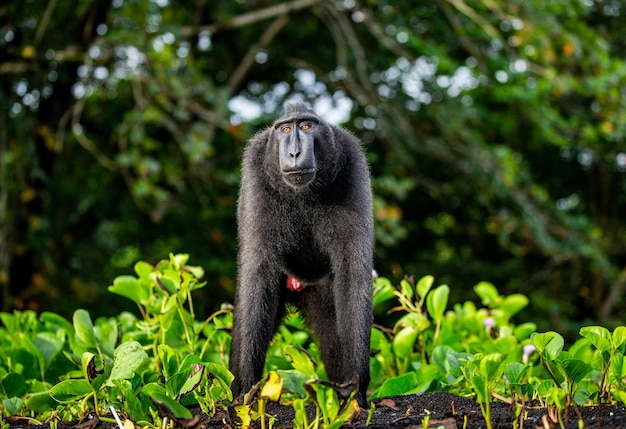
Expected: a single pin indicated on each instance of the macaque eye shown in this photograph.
(305, 126)
(286, 129)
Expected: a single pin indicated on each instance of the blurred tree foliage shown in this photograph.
(495, 130)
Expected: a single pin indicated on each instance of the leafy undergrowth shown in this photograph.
(464, 366)
(427, 410)
(441, 409)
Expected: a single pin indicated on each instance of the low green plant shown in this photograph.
(152, 367)
(608, 357)
(334, 404)
(484, 372)
(421, 352)
(406, 344)
(515, 377)
(426, 420)
(148, 368)
(457, 350)
(255, 402)
(297, 387)
(565, 369)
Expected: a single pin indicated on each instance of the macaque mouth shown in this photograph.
(299, 177)
(299, 171)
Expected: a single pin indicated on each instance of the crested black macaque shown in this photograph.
(306, 237)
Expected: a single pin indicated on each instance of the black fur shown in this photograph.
(319, 231)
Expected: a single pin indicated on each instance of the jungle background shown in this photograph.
(495, 132)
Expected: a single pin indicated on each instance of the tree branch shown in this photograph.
(44, 21)
(248, 60)
(464, 39)
(85, 142)
(251, 17)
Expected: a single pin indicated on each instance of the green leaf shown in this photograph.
(415, 320)
(300, 361)
(152, 388)
(151, 114)
(135, 409)
(488, 294)
(175, 409)
(617, 369)
(12, 405)
(13, 384)
(490, 366)
(175, 386)
(599, 337)
(383, 290)
(107, 335)
(404, 340)
(56, 321)
(544, 387)
(143, 270)
(49, 344)
(28, 358)
(447, 360)
(397, 385)
(581, 349)
(300, 416)
(170, 280)
(293, 382)
(179, 259)
(193, 380)
(131, 288)
(549, 344)
(514, 372)
(326, 399)
(619, 336)
(512, 304)
(506, 344)
(128, 359)
(299, 338)
(524, 330)
(437, 301)
(406, 289)
(69, 391)
(198, 273)
(575, 369)
(220, 371)
(84, 329)
(479, 388)
(620, 395)
(188, 361)
(169, 360)
(423, 286)
(428, 377)
(557, 396)
(40, 402)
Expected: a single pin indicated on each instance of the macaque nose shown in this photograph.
(295, 147)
